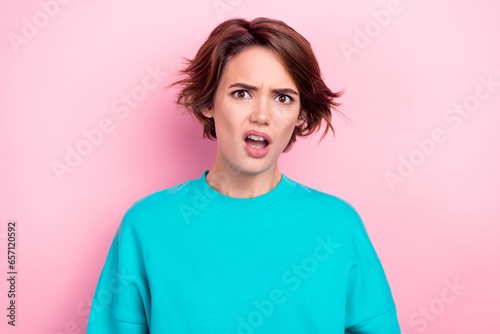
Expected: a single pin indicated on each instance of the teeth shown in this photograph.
(254, 137)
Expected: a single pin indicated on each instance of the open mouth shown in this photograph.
(256, 141)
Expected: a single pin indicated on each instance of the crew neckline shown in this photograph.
(244, 205)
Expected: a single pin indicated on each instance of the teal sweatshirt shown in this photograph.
(189, 259)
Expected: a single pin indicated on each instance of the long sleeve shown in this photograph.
(188, 260)
(370, 307)
(118, 305)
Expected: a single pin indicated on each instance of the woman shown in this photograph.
(243, 248)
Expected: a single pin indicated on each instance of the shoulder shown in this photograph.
(158, 203)
(340, 218)
(333, 203)
(332, 208)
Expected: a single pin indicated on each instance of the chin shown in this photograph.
(255, 168)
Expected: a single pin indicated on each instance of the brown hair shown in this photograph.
(233, 36)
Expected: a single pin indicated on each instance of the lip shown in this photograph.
(257, 133)
(257, 152)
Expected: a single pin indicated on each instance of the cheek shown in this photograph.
(285, 116)
(288, 121)
(228, 125)
(287, 131)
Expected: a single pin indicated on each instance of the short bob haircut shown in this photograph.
(233, 36)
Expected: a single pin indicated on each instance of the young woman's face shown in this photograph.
(255, 92)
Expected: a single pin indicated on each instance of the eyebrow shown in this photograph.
(253, 88)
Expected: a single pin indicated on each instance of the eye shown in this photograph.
(240, 94)
(284, 99)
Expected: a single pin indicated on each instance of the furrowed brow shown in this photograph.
(244, 86)
(288, 91)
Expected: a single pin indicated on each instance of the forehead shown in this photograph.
(257, 66)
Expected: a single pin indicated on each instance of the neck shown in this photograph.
(237, 183)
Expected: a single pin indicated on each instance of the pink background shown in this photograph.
(65, 68)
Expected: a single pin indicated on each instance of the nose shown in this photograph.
(261, 111)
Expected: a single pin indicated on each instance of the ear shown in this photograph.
(207, 112)
(300, 119)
